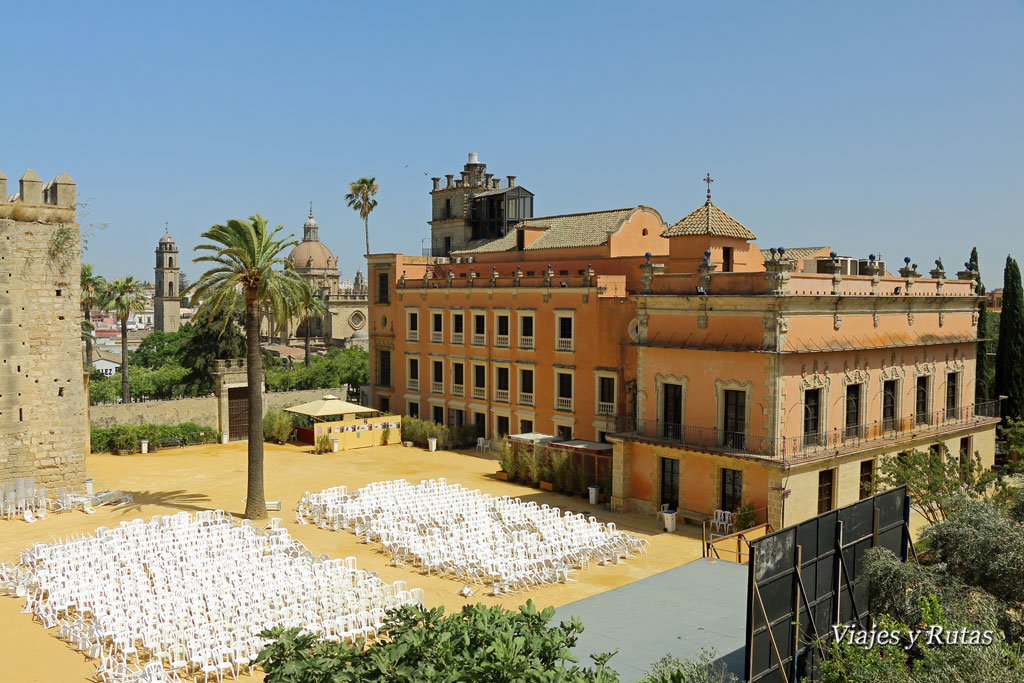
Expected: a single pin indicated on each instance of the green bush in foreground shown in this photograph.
(277, 426)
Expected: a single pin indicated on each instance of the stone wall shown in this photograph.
(199, 410)
(42, 395)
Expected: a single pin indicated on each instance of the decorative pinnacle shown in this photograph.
(708, 179)
(311, 209)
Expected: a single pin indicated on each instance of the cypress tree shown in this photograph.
(1010, 351)
(982, 390)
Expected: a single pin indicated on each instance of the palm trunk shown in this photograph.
(125, 394)
(255, 504)
(307, 341)
(366, 225)
(88, 347)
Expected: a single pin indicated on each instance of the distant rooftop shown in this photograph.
(587, 229)
(708, 219)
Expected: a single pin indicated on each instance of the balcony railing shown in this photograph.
(458, 390)
(563, 404)
(479, 339)
(436, 337)
(412, 335)
(437, 387)
(526, 343)
(605, 408)
(413, 384)
(809, 445)
(480, 393)
(525, 399)
(501, 340)
(501, 395)
(563, 344)
(458, 338)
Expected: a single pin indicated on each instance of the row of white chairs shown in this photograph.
(187, 595)
(497, 541)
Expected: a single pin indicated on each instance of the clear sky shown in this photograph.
(891, 127)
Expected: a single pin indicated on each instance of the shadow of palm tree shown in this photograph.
(179, 500)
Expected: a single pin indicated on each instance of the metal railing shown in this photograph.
(501, 340)
(437, 387)
(829, 442)
(525, 399)
(501, 395)
(458, 390)
(436, 337)
(480, 393)
(458, 338)
(526, 343)
(563, 344)
(479, 339)
(605, 408)
(563, 404)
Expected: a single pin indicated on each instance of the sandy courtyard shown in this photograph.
(209, 477)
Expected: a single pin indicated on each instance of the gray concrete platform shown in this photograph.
(700, 605)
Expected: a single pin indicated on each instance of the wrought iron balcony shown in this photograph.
(814, 444)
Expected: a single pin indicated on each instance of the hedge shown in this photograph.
(418, 431)
(129, 436)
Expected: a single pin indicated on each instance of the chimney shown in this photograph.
(449, 176)
(465, 181)
(487, 179)
(437, 182)
(474, 158)
(458, 183)
(511, 180)
(495, 183)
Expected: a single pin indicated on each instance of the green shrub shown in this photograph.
(745, 517)
(99, 439)
(385, 435)
(123, 438)
(277, 426)
(506, 459)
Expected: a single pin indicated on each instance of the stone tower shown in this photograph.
(43, 428)
(167, 298)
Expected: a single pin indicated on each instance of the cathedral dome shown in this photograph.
(312, 254)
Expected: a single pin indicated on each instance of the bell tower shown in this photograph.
(167, 297)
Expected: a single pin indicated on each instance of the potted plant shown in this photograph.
(323, 443)
(547, 476)
(122, 440)
(506, 462)
(385, 435)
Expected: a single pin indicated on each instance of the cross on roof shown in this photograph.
(311, 209)
(708, 179)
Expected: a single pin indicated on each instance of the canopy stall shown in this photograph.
(350, 424)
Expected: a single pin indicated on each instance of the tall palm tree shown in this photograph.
(314, 309)
(248, 257)
(360, 198)
(92, 294)
(123, 297)
(87, 328)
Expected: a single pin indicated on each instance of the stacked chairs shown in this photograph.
(187, 595)
(448, 529)
(20, 499)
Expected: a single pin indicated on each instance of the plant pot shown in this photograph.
(123, 451)
(503, 476)
(547, 486)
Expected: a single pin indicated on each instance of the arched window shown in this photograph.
(170, 261)
(170, 289)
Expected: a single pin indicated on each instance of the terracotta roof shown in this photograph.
(795, 253)
(710, 220)
(100, 354)
(589, 229)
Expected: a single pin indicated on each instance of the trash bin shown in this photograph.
(223, 437)
(88, 487)
(668, 517)
(334, 445)
(593, 489)
(144, 443)
(432, 444)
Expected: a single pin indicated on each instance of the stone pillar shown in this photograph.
(621, 473)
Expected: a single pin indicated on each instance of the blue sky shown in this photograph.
(870, 126)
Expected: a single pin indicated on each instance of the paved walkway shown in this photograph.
(679, 612)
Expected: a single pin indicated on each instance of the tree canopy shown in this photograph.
(1009, 376)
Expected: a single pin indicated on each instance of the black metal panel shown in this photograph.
(832, 547)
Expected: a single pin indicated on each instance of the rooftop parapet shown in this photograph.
(52, 202)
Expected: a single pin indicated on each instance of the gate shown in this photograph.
(238, 413)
